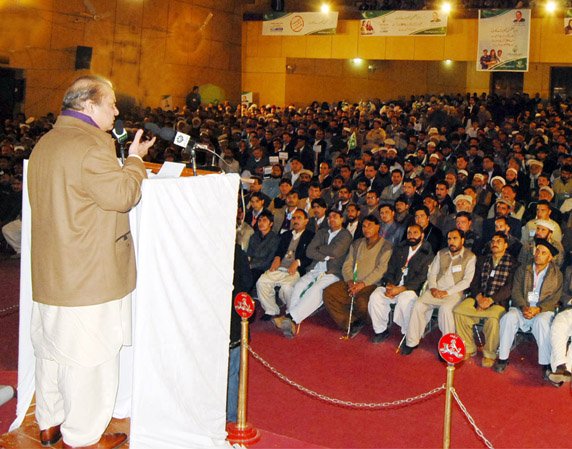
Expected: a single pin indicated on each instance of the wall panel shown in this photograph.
(149, 48)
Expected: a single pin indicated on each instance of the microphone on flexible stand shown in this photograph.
(121, 135)
(184, 141)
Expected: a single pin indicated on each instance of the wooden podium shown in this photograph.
(154, 167)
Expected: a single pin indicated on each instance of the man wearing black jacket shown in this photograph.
(288, 265)
(406, 273)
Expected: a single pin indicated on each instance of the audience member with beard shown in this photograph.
(304, 183)
(228, 164)
(271, 185)
(401, 284)
(352, 221)
(330, 194)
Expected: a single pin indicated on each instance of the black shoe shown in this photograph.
(559, 377)
(266, 317)
(356, 328)
(382, 336)
(500, 365)
(406, 350)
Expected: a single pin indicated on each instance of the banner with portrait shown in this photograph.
(568, 23)
(403, 23)
(504, 40)
(299, 23)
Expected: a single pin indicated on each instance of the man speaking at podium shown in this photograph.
(83, 265)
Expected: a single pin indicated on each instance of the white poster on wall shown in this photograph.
(299, 23)
(504, 40)
(403, 23)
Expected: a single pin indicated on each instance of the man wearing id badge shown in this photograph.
(536, 290)
(450, 274)
(490, 293)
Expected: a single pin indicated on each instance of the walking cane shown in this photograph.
(347, 336)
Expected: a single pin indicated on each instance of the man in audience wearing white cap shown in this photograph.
(464, 203)
(497, 183)
(391, 157)
(462, 179)
(534, 170)
(536, 291)
(502, 209)
(547, 194)
(543, 212)
(485, 196)
(508, 193)
(544, 229)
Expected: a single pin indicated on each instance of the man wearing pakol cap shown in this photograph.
(537, 288)
(489, 297)
(544, 230)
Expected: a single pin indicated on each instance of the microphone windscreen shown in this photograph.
(167, 134)
(119, 127)
(154, 128)
(119, 131)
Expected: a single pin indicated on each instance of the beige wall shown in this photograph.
(407, 65)
(148, 48)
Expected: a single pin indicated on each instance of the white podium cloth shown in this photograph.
(182, 331)
(173, 380)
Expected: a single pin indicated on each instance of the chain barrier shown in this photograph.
(369, 405)
(471, 420)
(4, 312)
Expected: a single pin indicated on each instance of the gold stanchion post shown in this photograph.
(447, 424)
(452, 350)
(241, 432)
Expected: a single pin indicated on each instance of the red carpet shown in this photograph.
(516, 409)
(8, 410)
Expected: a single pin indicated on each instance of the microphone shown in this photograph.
(121, 135)
(182, 140)
(119, 131)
